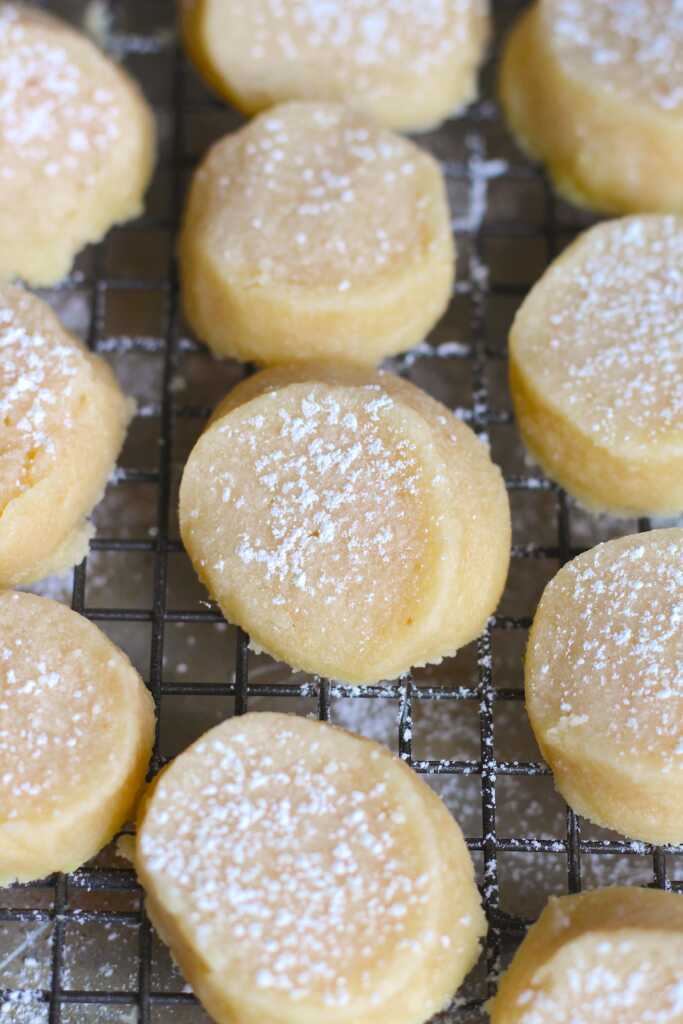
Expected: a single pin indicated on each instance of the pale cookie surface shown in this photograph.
(76, 730)
(77, 145)
(314, 233)
(596, 367)
(406, 63)
(595, 88)
(604, 684)
(351, 524)
(610, 956)
(62, 423)
(302, 874)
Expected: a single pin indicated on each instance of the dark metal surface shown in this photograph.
(481, 348)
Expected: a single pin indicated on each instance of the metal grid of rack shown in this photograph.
(471, 151)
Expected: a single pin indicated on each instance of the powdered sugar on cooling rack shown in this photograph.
(603, 331)
(54, 709)
(319, 196)
(608, 647)
(56, 113)
(37, 374)
(634, 48)
(294, 860)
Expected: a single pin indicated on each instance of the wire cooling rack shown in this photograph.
(79, 948)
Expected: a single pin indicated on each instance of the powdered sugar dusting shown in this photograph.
(361, 45)
(334, 508)
(634, 48)
(323, 487)
(294, 859)
(55, 712)
(38, 372)
(607, 649)
(604, 991)
(317, 195)
(602, 331)
(608, 970)
(56, 113)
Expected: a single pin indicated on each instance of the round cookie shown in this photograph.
(76, 732)
(349, 523)
(594, 88)
(406, 63)
(300, 873)
(63, 419)
(596, 367)
(597, 958)
(77, 144)
(604, 688)
(312, 233)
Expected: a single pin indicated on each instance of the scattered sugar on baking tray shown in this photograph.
(25, 969)
(27, 966)
(98, 23)
(23, 1006)
(124, 343)
(423, 350)
(479, 172)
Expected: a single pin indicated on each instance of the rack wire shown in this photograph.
(477, 158)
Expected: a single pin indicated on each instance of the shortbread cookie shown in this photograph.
(301, 873)
(311, 233)
(351, 524)
(604, 684)
(595, 89)
(63, 419)
(601, 957)
(77, 144)
(596, 367)
(406, 63)
(76, 731)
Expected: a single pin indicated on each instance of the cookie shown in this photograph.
(63, 419)
(312, 233)
(77, 143)
(594, 88)
(300, 873)
(604, 689)
(350, 523)
(405, 63)
(600, 957)
(76, 732)
(596, 367)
